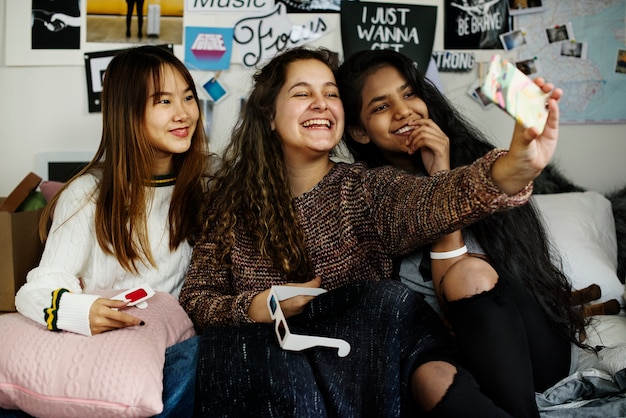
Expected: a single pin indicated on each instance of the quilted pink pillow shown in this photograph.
(117, 373)
(50, 188)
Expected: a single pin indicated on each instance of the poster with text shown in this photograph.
(261, 37)
(409, 29)
(475, 24)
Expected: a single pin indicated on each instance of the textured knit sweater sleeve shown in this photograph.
(412, 211)
(66, 252)
(209, 292)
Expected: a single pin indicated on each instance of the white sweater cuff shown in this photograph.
(73, 312)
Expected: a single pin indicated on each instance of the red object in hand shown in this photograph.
(136, 295)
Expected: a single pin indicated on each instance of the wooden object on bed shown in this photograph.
(583, 297)
(610, 307)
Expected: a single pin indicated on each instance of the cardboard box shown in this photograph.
(20, 193)
(20, 246)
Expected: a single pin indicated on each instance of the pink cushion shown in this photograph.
(50, 188)
(117, 373)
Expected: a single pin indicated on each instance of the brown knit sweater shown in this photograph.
(356, 221)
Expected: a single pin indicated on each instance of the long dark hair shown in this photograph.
(515, 241)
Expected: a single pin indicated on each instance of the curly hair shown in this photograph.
(515, 241)
(251, 187)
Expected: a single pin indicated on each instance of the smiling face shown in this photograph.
(170, 119)
(309, 118)
(389, 105)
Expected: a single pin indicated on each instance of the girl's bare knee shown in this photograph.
(468, 277)
(430, 382)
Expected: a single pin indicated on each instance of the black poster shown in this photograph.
(405, 28)
(475, 24)
(55, 24)
(96, 64)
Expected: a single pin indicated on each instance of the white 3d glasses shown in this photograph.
(297, 342)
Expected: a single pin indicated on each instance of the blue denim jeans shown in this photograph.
(179, 379)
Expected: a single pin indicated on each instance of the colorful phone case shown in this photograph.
(515, 93)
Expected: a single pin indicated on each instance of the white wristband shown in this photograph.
(448, 254)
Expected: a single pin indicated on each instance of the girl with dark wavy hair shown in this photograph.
(281, 212)
(507, 303)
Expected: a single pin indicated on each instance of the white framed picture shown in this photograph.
(27, 20)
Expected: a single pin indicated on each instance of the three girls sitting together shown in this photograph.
(278, 210)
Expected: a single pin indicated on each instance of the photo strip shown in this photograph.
(519, 7)
(559, 33)
(513, 39)
(476, 93)
(530, 67)
(574, 49)
(620, 64)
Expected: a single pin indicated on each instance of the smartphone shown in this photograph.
(515, 93)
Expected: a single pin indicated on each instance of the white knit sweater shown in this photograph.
(72, 253)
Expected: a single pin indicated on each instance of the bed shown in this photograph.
(589, 231)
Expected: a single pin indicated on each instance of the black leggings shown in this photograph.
(129, 14)
(509, 346)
